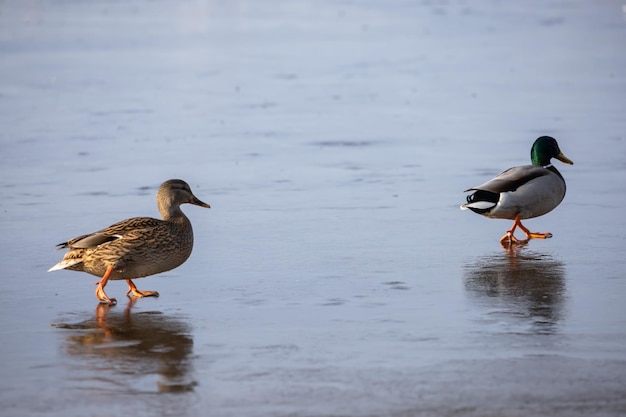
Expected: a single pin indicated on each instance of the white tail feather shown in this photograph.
(64, 264)
(480, 205)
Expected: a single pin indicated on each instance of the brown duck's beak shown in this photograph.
(564, 158)
(197, 202)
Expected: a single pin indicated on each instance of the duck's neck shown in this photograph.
(172, 213)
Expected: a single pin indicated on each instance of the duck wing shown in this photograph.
(111, 233)
(511, 179)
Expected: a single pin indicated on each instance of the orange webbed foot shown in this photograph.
(537, 235)
(103, 297)
(509, 240)
(132, 289)
(534, 235)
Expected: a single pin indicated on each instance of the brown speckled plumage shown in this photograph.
(136, 247)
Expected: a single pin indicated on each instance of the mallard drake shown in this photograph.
(136, 247)
(522, 192)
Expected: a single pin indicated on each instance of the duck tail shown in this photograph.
(64, 264)
(481, 201)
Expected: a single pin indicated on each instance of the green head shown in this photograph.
(544, 149)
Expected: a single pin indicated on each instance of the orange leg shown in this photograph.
(102, 296)
(509, 236)
(137, 293)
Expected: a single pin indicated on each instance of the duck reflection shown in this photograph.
(144, 351)
(519, 285)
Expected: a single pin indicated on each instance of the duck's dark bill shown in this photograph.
(200, 203)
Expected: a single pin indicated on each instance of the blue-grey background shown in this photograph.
(334, 274)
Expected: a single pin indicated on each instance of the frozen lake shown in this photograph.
(334, 274)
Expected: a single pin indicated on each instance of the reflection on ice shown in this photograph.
(134, 352)
(519, 285)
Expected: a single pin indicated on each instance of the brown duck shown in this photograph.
(136, 247)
